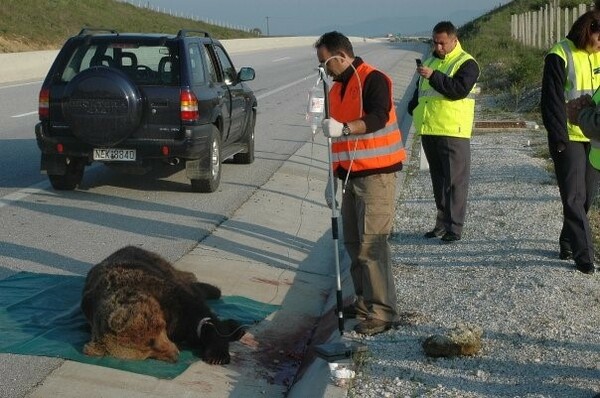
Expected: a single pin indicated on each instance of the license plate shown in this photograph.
(116, 155)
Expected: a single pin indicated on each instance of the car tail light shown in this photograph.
(189, 106)
(60, 148)
(44, 104)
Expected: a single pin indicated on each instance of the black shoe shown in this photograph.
(565, 254)
(434, 233)
(450, 237)
(372, 326)
(586, 268)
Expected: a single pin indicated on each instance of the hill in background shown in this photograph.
(28, 25)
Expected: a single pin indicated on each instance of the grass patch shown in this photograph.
(506, 65)
(27, 25)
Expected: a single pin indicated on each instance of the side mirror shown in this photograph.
(246, 74)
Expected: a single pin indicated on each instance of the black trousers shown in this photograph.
(578, 184)
(449, 161)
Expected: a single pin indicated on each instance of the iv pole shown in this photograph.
(334, 214)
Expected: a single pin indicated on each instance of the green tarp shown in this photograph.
(40, 315)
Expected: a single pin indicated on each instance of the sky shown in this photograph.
(314, 17)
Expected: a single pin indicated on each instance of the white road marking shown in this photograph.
(281, 59)
(268, 93)
(21, 84)
(26, 114)
(23, 193)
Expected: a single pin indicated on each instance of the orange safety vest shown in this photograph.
(362, 152)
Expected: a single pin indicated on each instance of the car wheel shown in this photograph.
(247, 157)
(71, 179)
(212, 168)
(103, 106)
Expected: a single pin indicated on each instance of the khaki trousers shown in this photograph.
(367, 215)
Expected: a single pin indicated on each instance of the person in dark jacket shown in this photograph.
(571, 69)
(443, 112)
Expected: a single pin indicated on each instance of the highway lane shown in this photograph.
(17, 102)
(67, 232)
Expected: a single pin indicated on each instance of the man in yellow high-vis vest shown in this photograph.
(443, 111)
(572, 69)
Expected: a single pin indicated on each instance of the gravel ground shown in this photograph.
(540, 317)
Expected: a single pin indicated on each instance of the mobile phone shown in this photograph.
(419, 62)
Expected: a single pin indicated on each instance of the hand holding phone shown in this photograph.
(419, 62)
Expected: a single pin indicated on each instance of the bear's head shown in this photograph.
(131, 325)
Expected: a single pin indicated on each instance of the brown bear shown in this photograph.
(139, 306)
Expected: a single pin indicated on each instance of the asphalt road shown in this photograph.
(67, 232)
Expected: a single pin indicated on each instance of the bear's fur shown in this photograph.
(139, 306)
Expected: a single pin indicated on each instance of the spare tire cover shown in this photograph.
(102, 105)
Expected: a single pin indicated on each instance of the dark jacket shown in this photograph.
(554, 113)
(589, 122)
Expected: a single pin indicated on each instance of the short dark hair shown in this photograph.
(445, 27)
(581, 31)
(335, 42)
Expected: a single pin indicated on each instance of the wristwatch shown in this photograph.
(346, 130)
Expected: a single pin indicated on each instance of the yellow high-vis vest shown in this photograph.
(438, 115)
(581, 79)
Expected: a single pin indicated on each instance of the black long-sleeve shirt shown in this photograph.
(454, 87)
(554, 112)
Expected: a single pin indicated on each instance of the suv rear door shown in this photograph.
(155, 70)
(144, 62)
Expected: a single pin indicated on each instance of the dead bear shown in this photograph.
(139, 306)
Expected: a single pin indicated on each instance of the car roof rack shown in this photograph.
(90, 30)
(186, 32)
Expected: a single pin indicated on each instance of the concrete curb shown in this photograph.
(16, 67)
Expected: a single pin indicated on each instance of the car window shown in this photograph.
(228, 70)
(196, 64)
(211, 63)
(144, 64)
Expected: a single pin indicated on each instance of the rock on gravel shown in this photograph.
(463, 340)
(539, 316)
